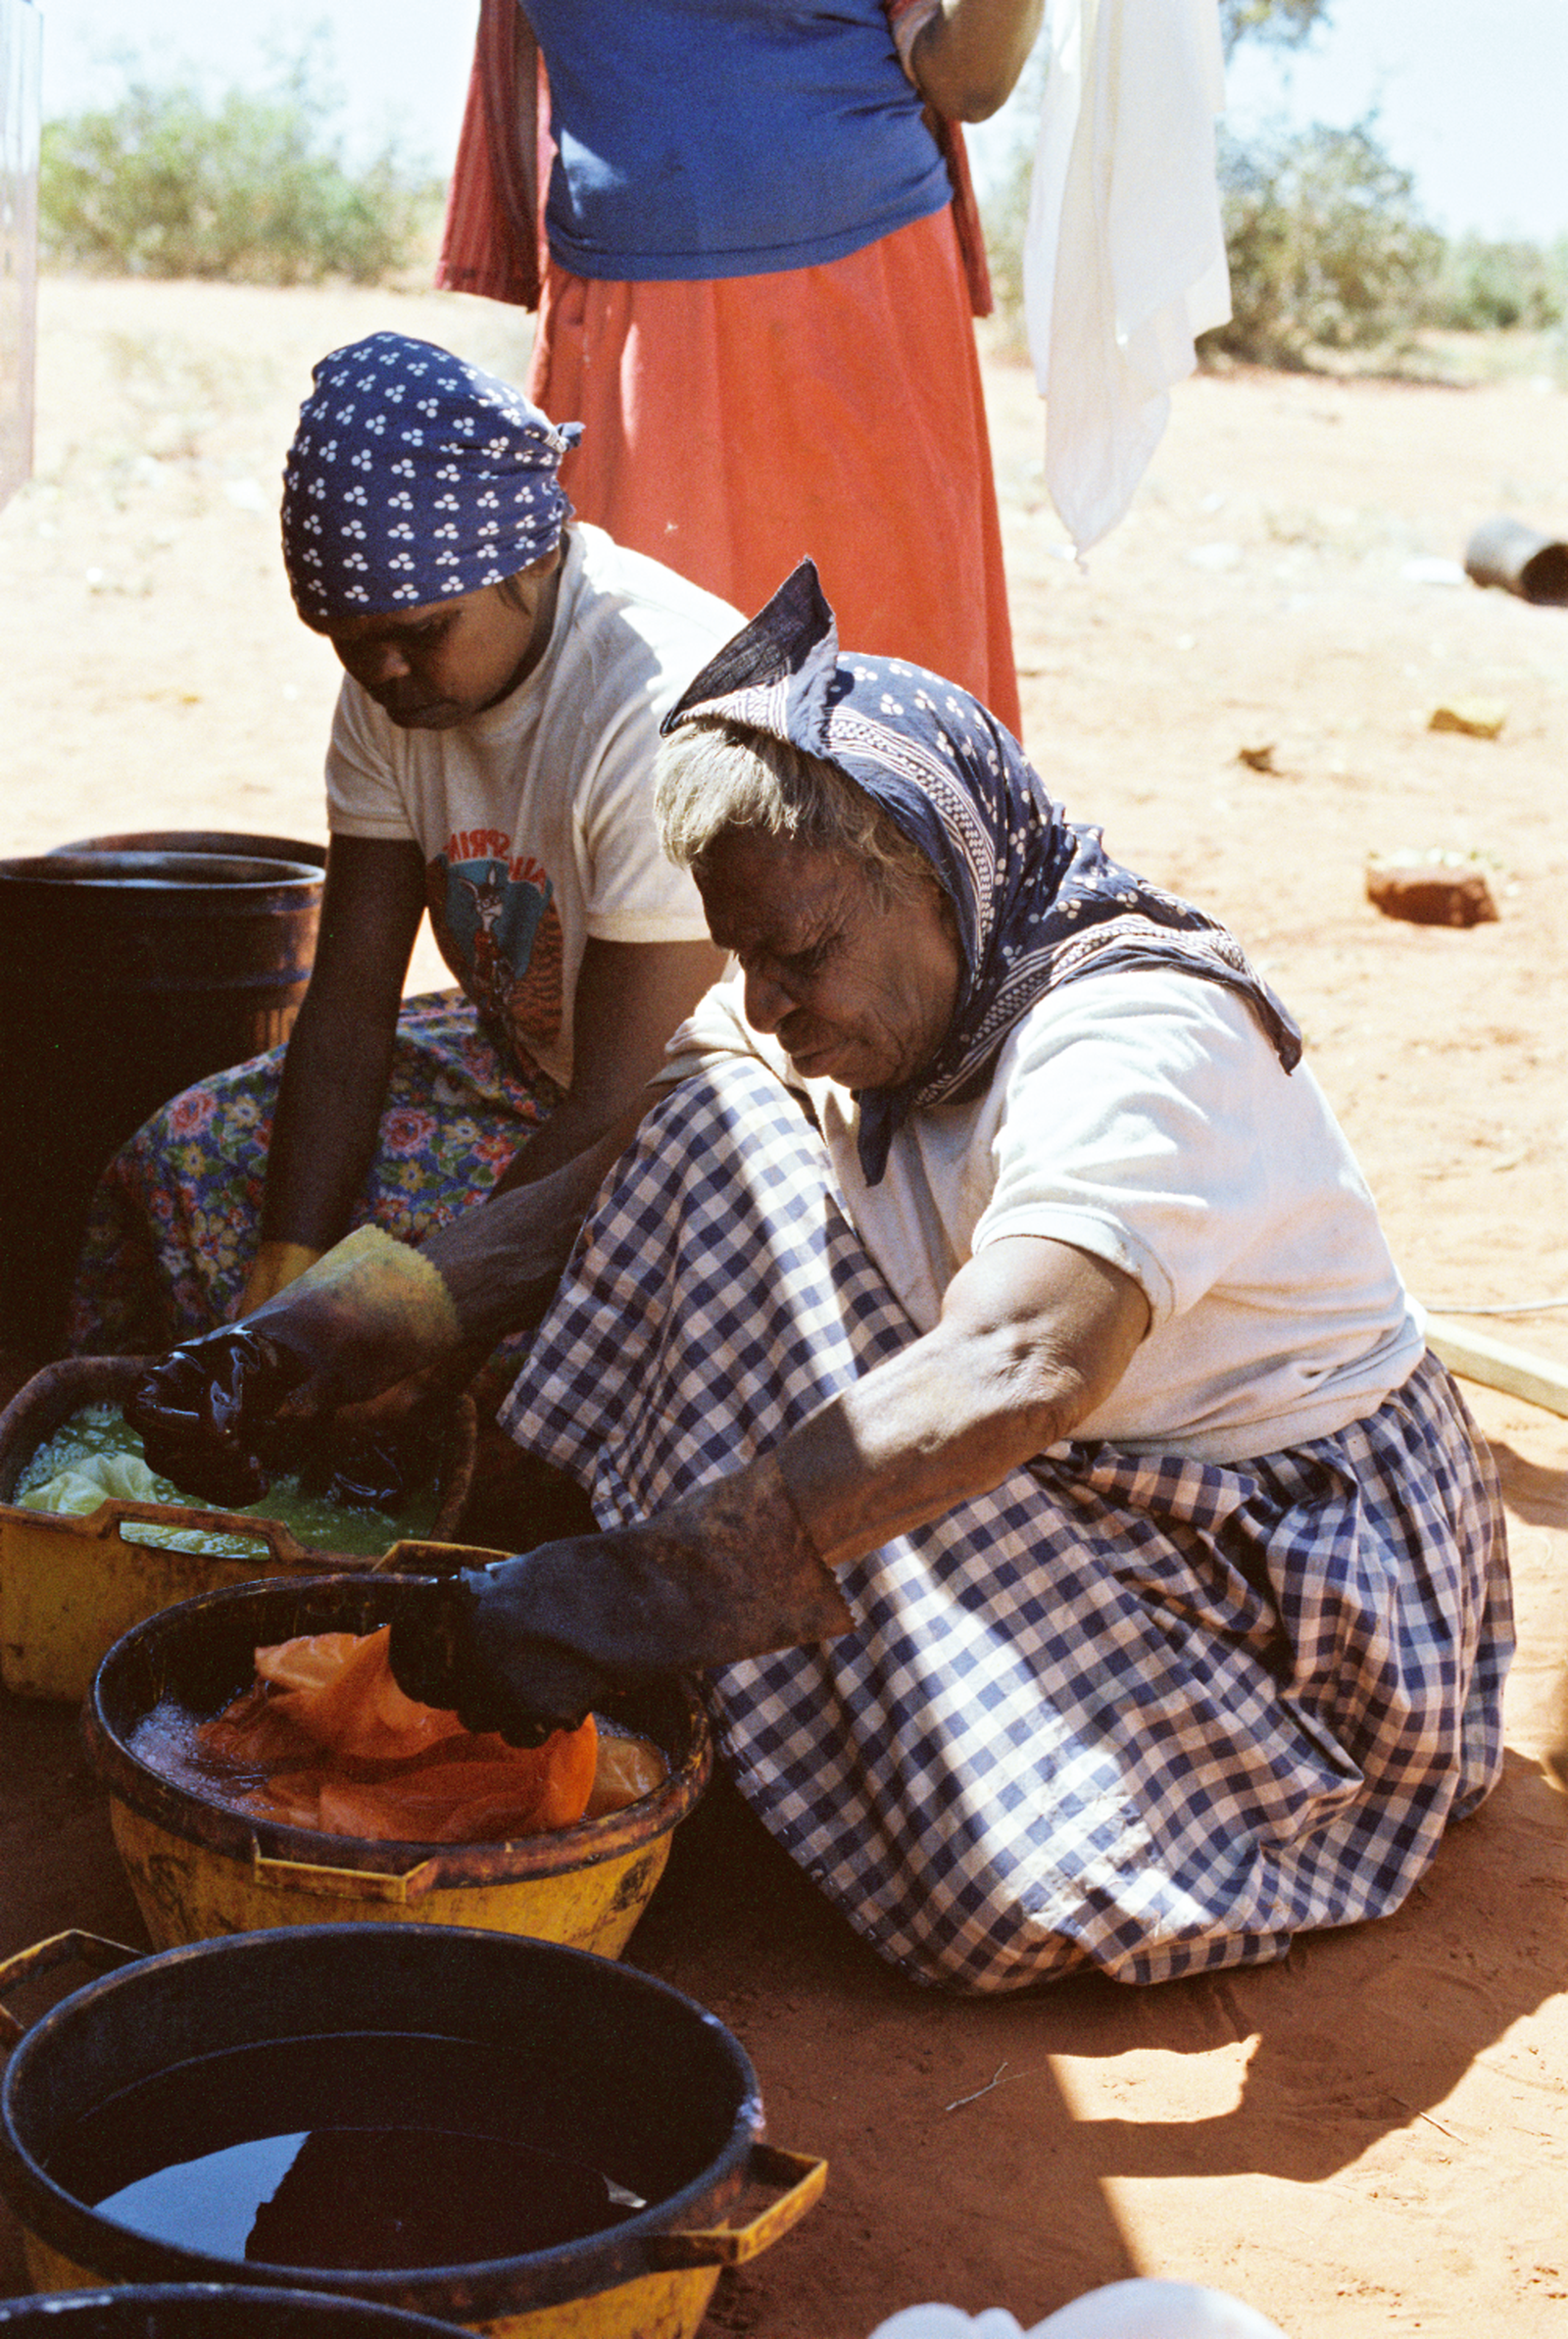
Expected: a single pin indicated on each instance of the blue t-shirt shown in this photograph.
(701, 138)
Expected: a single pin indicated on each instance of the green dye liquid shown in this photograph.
(103, 1458)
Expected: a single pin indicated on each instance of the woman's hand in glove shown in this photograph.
(200, 1409)
(459, 1645)
(534, 1643)
(369, 1313)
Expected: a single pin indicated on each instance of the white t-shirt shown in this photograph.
(535, 819)
(1143, 1117)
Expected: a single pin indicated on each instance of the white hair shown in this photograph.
(712, 776)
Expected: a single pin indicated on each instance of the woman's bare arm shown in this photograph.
(1034, 1335)
(630, 998)
(339, 1055)
(500, 1262)
(967, 59)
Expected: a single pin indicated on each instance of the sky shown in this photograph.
(399, 65)
(1470, 95)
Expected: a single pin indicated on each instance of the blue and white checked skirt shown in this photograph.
(1140, 1710)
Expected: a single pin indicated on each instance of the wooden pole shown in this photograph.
(1476, 1356)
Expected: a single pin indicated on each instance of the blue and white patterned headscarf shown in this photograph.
(413, 475)
(1038, 901)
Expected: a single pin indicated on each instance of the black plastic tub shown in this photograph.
(206, 2311)
(640, 2080)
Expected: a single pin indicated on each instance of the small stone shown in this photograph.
(1258, 758)
(1425, 895)
(1214, 557)
(1477, 718)
(1433, 571)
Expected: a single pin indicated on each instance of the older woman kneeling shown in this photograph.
(986, 1365)
(992, 1343)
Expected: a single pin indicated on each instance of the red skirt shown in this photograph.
(732, 426)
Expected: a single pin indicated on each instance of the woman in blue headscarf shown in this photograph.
(490, 763)
(987, 1366)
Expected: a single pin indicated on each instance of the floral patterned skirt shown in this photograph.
(173, 1223)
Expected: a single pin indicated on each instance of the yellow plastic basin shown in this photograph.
(198, 1870)
(70, 1587)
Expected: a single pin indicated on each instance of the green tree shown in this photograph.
(1328, 247)
(1487, 286)
(250, 188)
(1286, 22)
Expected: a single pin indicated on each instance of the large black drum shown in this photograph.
(129, 967)
(206, 2311)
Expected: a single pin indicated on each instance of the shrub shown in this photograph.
(1285, 22)
(165, 183)
(1005, 210)
(1488, 287)
(1327, 247)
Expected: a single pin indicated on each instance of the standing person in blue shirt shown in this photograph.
(761, 242)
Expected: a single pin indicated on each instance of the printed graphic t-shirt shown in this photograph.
(535, 819)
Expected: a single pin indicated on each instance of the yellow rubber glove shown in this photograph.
(274, 1268)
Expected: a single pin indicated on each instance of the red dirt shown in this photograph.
(1370, 2138)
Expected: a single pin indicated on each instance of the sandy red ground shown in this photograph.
(1370, 2138)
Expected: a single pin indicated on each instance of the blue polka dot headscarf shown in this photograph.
(413, 476)
(1039, 900)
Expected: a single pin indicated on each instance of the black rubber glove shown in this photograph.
(363, 1469)
(367, 1314)
(534, 1643)
(203, 1411)
(463, 1647)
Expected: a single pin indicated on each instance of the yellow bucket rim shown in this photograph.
(46, 1402)
(671, 1713)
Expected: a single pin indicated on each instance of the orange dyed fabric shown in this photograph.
(732, 426)
(329, 1741)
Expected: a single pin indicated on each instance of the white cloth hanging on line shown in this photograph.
(1124, 253)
